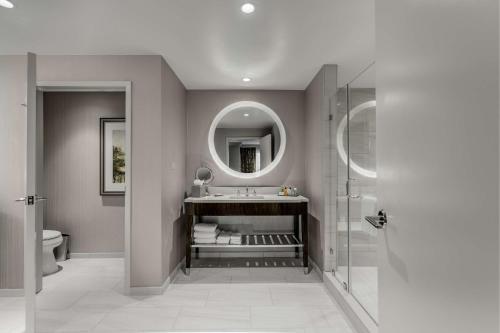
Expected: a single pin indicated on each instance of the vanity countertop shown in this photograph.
(251, 198)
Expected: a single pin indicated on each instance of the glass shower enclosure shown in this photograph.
(356, 239)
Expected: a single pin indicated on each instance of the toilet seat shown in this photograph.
(51, 234)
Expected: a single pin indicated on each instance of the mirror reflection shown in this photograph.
(247, 139)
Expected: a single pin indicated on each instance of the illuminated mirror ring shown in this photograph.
(224, 112)
(340, 139)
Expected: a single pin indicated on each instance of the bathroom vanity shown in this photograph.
(251, 205)
(246, 140)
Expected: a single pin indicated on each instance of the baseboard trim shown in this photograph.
(147, 291)
(316, 268)
(360, 320)
(77, 255)
(11, 292)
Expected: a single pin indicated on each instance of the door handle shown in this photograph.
(378, 221)
(31, 199)
(40, 198)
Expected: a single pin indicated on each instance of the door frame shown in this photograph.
(97, 86)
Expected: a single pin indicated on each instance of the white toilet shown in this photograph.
(51, 240)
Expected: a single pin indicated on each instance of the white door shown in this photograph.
(437, 165)
(31, 200)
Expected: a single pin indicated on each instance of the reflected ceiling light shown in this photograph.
(340, 139)
(246, 79)
(248, 8)
(6, 4)
(246, 114)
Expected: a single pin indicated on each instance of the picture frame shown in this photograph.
(112, 156)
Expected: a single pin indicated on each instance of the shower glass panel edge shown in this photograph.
(354, 136)
(341, 271)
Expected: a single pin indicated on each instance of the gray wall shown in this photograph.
(438, 165)
(320, 165)
(152, 251)
(173, 168)
(203, 105)
(145, 74)
(13, 151)
(158, 153)
(72, 154)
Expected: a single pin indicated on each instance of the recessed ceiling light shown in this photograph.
(246, 79)
(248, 8)
(8, 4)
(246, 114)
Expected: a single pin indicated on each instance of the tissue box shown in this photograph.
(198, 191)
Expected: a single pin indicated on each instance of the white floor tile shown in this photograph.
(86, 297)
(139, 319)
(213, 317)
(280, 317)
(102, 301)
(239, 296)
(11, 321)
(58, 300)
(305, 296)
(67, 321)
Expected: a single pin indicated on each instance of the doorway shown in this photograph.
(33, 251)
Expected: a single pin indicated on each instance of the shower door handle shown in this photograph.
(378, 221)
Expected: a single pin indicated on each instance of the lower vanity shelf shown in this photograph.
(265, 205)
(279, 240)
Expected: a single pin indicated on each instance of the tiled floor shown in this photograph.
(86, 297)
(364, 288)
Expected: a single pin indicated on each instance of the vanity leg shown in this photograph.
(189, 241)
(296, 231)
(305, 240)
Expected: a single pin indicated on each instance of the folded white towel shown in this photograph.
(205, 227)
(235, 236)
(204, 240)
(203, 234)
(224, 237)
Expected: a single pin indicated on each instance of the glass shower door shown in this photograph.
(355, 137)
(363, 195)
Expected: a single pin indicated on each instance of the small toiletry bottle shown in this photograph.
(285, 191)
(295, 192)
(282, 190)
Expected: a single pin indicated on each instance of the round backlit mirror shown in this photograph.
(358, 166)
(205, 174)
(247, 139)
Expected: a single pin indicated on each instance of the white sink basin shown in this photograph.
(244, 197)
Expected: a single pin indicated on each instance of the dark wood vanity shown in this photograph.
(269, 206)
